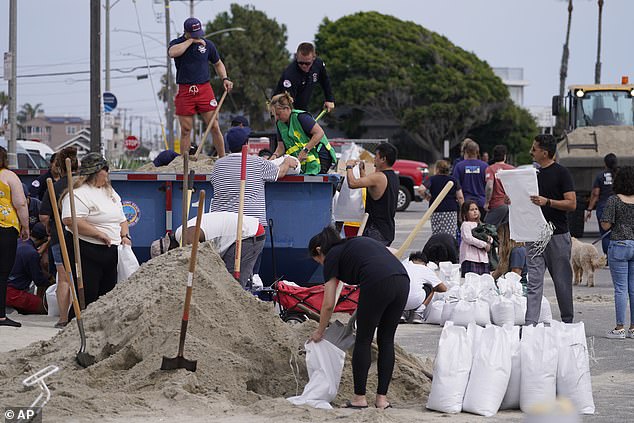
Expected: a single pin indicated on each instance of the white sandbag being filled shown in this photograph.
(511, 399)
(539, 355)
(573, 369)
(451, 370)
(490, 373)
(324, 364)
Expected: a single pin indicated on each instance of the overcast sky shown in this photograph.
(53, 36)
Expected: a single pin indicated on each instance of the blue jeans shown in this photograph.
(621, 259)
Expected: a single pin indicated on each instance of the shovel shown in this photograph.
(243, 184)
(187, 205)
(180, 362)
(80, 279)
(83, 358)
(211, 122)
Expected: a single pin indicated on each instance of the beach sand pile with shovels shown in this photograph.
(241, 346)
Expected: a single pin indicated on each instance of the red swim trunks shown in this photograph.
(195, 98)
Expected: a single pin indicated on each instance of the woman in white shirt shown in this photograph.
(101, 224)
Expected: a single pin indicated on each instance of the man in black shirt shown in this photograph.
(382, 185)
(302, 74)
(556, 198)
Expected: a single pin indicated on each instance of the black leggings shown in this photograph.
(98, 266)
(8, 247)
(380, 305)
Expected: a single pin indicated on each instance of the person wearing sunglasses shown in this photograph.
(299, 78)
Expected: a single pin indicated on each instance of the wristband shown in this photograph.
(548, 202)
(349, 167)
(226, 78)
(305, 150)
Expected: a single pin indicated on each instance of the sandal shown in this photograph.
(348, 404)
(389, 405)
(60, 325)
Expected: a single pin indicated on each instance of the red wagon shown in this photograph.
(297, 303)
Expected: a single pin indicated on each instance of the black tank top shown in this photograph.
(382, 211)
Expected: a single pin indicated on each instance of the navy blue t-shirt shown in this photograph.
(435, 184)
(361, 261)
(192, 67)
(471, 173)
(603, 181)
(26, 267)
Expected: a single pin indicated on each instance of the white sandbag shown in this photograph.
(545, 313)
(463, 313)
(51, 300)
(434, 312)
(519, 303)
(511, 399)
(127, 264)
(291, 170)
(471, 278)
(573, 368)
(473, 333)
(539, 366)
(324, 364)
(482, 312)
(502, 311)
(451, 370)
(447, 310)
(490, 373)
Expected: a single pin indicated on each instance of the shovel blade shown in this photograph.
(178, 362)
(84, 359)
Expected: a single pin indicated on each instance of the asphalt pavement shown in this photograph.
(611, 361)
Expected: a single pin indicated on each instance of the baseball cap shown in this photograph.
(161, 245)
(92, 163)
(194, 27)
(39, 231)
(237, 137)
(239, 120)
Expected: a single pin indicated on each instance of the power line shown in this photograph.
(38, 75)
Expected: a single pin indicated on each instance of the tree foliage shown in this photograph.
(254, 59)
(389, 69)
(29, 111)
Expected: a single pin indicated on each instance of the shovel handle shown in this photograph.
(441, 196)
(71, 196)
(184, 205)
(364, 221)
(62, 245)
(243, 182)
(211, 123)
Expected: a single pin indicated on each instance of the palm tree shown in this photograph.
(563, 71)
(29, 111)
(4, 102)
(597, 67)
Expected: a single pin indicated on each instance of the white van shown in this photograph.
(27, 159)
(37, 147)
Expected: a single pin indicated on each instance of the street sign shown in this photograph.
(131, 143)
(109, 102)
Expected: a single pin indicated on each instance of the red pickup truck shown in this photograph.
(411, 175)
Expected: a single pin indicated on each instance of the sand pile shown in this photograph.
(204, 164)
(241, 345)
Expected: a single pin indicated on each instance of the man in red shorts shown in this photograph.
(192, 54)
(26, 269)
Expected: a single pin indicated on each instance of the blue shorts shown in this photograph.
(57, 254)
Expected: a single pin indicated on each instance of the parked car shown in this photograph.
(411, 175)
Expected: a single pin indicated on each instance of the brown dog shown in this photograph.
(585, 258)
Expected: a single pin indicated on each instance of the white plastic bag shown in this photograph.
(511, 399)
(447, 310)
(463, 313)
(573, 368)
(51, 300)
(482, 312)
(545, 314)
(291, 170)
(539, 366)
(324, 364)
(127, 264)
(434, 312)
(502, 311)
(451, 370)
(348, 203)
(519, 303)
(490, 373)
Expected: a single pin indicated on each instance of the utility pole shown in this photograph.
(191, 8)
(169, 124)
(13, 52)
(597, 66)
(95, 76)
(107, 8)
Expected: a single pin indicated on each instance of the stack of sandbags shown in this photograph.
(506, 372)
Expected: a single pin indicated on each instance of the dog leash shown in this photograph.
(602, 236)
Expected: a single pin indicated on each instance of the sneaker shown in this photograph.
(616, 334)
(404, 317)
(417, 319)
(630, 333)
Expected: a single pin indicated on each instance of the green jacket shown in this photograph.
(295, 140)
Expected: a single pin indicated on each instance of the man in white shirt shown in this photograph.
(220, 228)
(423, 284)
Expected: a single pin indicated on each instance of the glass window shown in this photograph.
(601, 108)
(71, 130)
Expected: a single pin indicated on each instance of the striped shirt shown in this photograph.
(225, 179)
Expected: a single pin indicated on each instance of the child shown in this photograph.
(473, 252)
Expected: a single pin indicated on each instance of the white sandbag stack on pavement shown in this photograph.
(539, 355)
(573, 369)
(490, 373)
(511, 399)
(451, 370)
